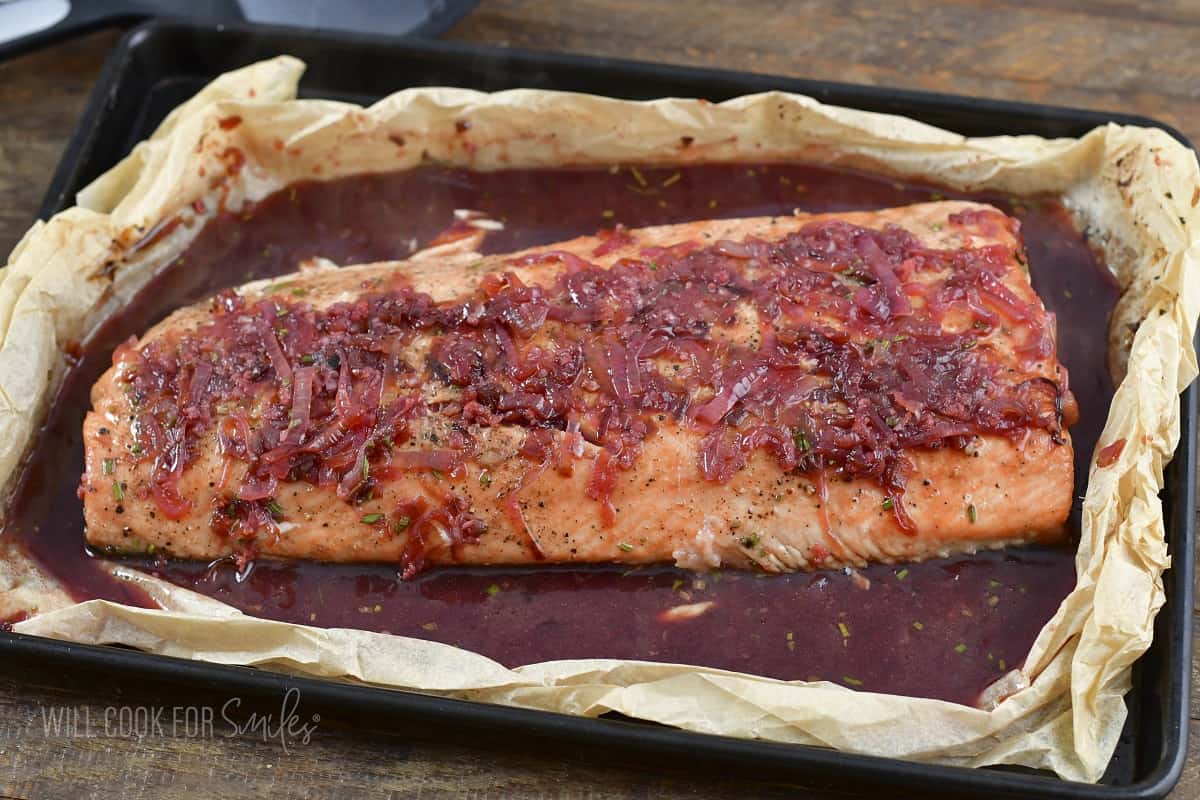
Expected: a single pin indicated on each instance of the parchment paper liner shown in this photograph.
(1134, 191)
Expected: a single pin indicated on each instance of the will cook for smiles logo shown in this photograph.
(287, 727)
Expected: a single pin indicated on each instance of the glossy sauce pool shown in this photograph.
(944, 628)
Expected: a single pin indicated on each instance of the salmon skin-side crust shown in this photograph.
(784, 393)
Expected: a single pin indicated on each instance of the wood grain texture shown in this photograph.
(41, 97)
(1189, 783)
(91, 752)
(1116, 56)
(1128, 55)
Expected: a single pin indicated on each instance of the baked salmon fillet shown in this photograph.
(784, 393)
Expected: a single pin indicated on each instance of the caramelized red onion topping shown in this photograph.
(840, 365)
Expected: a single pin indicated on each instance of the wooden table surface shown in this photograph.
(1128, 55)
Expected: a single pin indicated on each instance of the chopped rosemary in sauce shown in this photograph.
(371, 519)
(625, 546)
(972, 514)
(118, 491)
(960, 648)
(919, 626)
(275, 509)
(889, 504)
(493, 590)
(109, 465)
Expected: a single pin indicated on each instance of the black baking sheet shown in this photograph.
(159, 65)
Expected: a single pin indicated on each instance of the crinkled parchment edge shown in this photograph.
(1134, 190)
